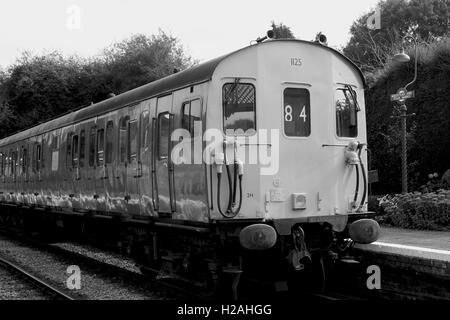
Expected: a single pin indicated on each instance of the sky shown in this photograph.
(206, 29)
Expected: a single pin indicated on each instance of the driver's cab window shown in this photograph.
(346, 105)
(239, 108)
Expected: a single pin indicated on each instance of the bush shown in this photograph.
(416, 210)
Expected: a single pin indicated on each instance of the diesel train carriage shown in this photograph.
(253, 163)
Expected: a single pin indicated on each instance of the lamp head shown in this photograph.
(401, 57)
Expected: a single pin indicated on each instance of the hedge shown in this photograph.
(416, 210)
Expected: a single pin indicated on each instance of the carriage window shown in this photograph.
(55, 142)
(191, 113)
(24, 160)
(163, 134)
(43, 153)
(38, 157)
(132, 140)
(14, 163)
(100, 144)
(8, 164)
(185, 111)
(109, 142)
(145, 129)
(82, 147)
(75, 150)
(296, 112)
(123, 130)
(346, 113)
(69, 149)
(238, 100)
(92, 147)
(1, 164)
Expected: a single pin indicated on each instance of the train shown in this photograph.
(252, 164)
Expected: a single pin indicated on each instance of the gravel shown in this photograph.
(101, 256)
(12, 287)
(96, 283)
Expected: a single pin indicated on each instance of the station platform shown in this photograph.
(414, 264)
(433, 245)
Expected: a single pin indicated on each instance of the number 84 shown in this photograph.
(288, 113)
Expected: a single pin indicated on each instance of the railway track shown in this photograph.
(176, 288)
(180, 289)
(34, 281)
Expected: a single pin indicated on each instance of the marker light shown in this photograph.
(364, 231)
(258, 236)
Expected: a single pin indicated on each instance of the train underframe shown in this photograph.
(209, 257)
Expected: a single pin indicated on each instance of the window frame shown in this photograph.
(130, 155)
(98, 150)
(247, 82)
(81, 148)
(92, 148)
(69, 149)
(108, 155)
(75, 147)
(158, 138)
(343, 88)
(123, 141)
(1, 164)
(145, 130)
(296, 86)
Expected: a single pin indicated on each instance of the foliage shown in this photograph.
(428, 131)
(371, 49)
(281, 31)
(38, 87)
(433, 184)
(429, 211)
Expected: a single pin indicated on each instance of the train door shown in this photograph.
(54, 179)
(25, 172)
(165, 201)
(74, 166)
(133, 160)
(120, 198)
(89, 166)
(15, 165)
(47, 187)
(145, 179)
(100, 170)
(32, 173)
(2, 175)
(39, 174)
(66, 168)
(20, 176)
(190, 189)
(78, 163)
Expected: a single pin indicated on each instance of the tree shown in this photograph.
(142, 59)
(426, 19)
(281, 31)
(37, 88)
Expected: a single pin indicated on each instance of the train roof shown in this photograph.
(194, 75)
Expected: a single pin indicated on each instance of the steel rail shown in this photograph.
(35, 280)
(92, 262)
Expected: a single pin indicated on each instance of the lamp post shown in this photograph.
(401, 96)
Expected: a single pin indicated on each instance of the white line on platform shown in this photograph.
(401, 246)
